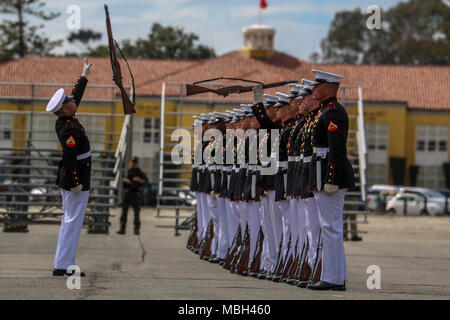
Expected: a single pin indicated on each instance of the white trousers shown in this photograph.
(254, 223)
(241, 207)
(200, 217)
(301, 222)
(330, 207)
(269, 254)
(313, 232)
(297, 222)
(74, 206)
(213, 214)
(277, 220)
(232, 218)
(284, 206)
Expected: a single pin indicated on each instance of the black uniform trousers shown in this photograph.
(132, 199)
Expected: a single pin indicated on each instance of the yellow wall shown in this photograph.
(402, 123)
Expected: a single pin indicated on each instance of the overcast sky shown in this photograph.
(299, 24)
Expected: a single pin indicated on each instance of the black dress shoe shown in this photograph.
(262, 274)
(303, 284)
(215, 260)
(356, 238)
(82, 274)
(270, 276)
(121, 231)
(291, 281)
(59, 272)
(62, 272)
(222, 262)
(276, 278)
(322, 285)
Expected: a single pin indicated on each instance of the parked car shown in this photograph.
(431, 196)
(189, 197)
(378, 195)
(446, 193)
(416, 204)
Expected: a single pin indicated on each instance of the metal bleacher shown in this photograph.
(28, 165)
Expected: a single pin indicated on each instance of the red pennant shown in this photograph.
(332, 127)
(263, 4)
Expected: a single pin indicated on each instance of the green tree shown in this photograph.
(17, 36)
(162, 43)
(412, 33)
(346, 38)
(81, 39)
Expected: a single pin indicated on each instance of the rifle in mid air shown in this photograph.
(128, 104)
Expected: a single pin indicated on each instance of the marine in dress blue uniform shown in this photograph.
(334, 175)
(74, 171)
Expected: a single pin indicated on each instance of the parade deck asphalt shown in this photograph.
(413, 254)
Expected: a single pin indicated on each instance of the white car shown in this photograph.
(378, 195)
(415, 204)
(432, 196)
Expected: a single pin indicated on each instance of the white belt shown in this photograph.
(282, 164)
(244, 166)
(202, 166)
(219, 167)
(320, 151)
(227, 168)
(236, 169)
(307, 159)
(194, 166)
(291, 158)
(213, 167)
(84, 155)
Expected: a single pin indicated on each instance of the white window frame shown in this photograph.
(432, 138)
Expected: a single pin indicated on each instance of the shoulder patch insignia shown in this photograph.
(332, 127)
(70, 142)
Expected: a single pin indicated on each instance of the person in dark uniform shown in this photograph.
(74, 171)
(132, 184)
(334, 175)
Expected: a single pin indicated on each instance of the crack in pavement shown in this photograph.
(143, 252)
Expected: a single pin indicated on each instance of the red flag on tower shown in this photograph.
(263, 4)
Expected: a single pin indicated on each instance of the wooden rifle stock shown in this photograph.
(192, 239)
(128, 106)
(206, 250)
(237, 242)
(192, 89)
(256, 261)
(244, 258)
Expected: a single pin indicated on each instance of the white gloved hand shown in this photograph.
(330, 188)
(258, 94)
(77, 189)
(86, 68)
